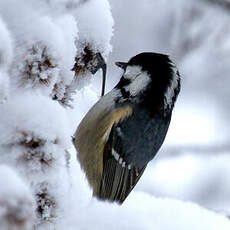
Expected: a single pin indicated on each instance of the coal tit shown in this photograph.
(124, 130)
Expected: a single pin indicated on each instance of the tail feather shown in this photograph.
(118, 181)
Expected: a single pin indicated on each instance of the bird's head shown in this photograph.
(151, 78)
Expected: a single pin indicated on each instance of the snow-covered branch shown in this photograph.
(44, 50)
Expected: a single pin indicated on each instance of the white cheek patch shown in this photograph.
(131, 72)
(138, 83)
(171, 89)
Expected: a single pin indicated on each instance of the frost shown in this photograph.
(35, 144)
(16, 205)
(36, 72)
(38, 67)
(95, 24)
(34, 135)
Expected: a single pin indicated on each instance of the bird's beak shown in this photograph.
(121, 64)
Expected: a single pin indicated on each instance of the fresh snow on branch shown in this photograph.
(16, 201)
(43, 46)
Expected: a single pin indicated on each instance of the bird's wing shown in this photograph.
(119, 177)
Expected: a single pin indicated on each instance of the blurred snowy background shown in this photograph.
(42, 186)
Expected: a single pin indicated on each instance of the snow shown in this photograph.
(142, 211)
(57, 36)
(41, 110)
(188, 118)
(85, 98)
(201, 179)
(16, 205)
(35, 145)
(69, 30)
(38, 166)
(95, 24)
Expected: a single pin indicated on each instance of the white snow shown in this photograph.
(195, 123)
(34, 142)
(199, 178)
(95, 24)
(39, 167)
(17, 206)
(35, 117)
(141, 211)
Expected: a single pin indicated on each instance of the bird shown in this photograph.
(124, 130)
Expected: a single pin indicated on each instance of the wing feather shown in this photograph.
(119, 175)
(117, 181)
